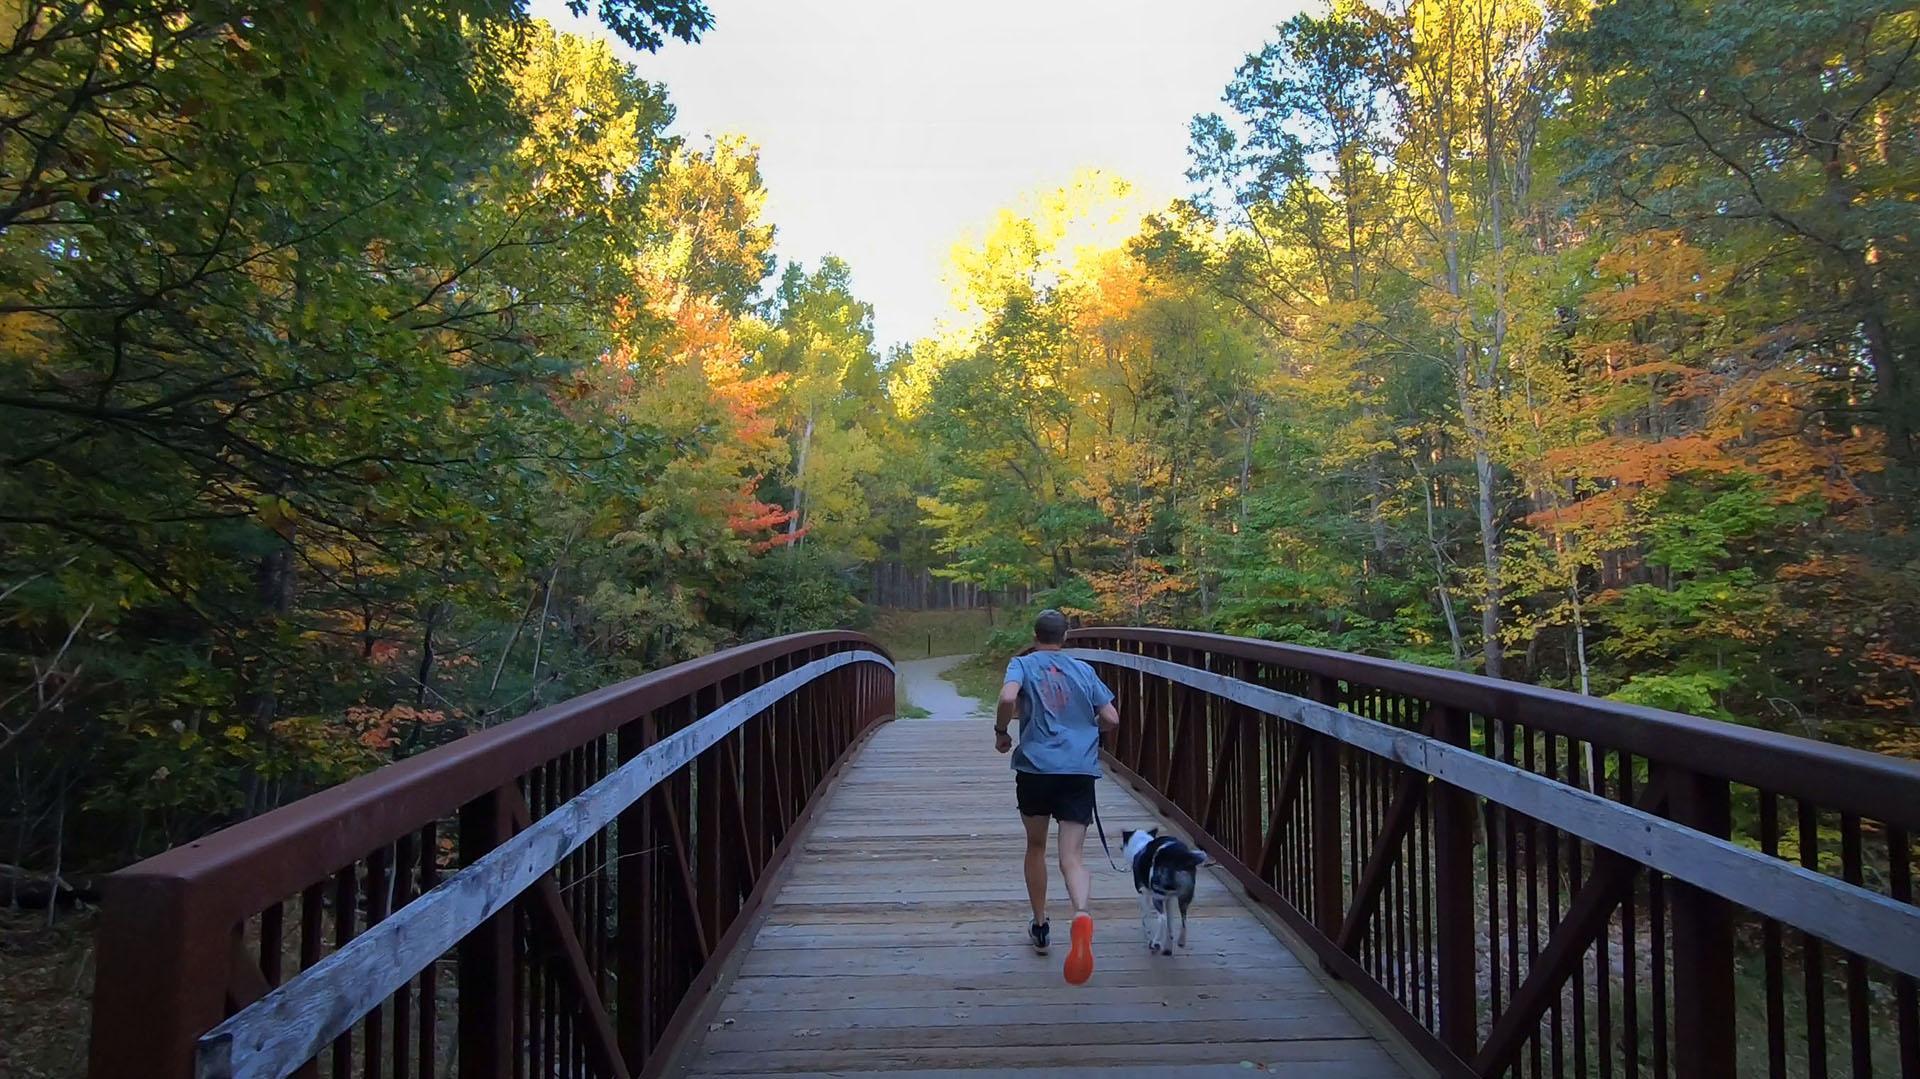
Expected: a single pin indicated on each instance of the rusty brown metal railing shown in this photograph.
(587, 971)
(1521, 881)
(1527, 882)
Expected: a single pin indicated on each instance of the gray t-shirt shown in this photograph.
(1059, 699)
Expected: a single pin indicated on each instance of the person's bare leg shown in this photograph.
(1073, 864)
(1036, 864)
(1079, 965)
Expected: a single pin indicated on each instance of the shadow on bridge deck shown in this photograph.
(895, 946)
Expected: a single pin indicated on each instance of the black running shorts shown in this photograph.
(1062, 797)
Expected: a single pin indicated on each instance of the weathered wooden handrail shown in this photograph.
(610, 846)
(1531, 882)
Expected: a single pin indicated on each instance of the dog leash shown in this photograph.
(1102, 829)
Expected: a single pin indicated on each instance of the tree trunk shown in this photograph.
(1440, 573)
(1490, 550)
(1579, 635)
(426, 657)
(1465, 382)
(799, 480)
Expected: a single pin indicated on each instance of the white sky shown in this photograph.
(890, 128)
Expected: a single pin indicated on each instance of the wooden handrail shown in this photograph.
(1838, 777)
(265, 858)
(1510, 875)
(1866, 923)
(273, 1036)
(623, 799)
(1525, 881)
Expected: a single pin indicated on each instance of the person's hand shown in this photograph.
(1002, 742)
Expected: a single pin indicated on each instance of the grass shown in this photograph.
(979, 677)
(909, 710)
(920, 634)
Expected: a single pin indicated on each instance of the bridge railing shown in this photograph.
(547, 897)
(1528, 882)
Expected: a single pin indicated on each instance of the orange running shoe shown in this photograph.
(1080, 956)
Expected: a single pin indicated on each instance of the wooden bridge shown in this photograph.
(739, 866)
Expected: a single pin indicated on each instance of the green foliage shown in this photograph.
(1694, 693)
(371, 372)
(820, 342)
(374, 372)
(801, 588)
(1570, 344)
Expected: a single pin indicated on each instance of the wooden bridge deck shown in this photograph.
(895, 947)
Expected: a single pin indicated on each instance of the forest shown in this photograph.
(1573, 344)
(372, 373)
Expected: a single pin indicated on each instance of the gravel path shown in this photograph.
(921, 684)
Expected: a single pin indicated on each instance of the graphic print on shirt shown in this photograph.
(1054, 691)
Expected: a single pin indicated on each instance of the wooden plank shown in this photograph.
(1861, 921)
(759, 994)
(1135, 1029)
(699, 995)
(897, 942)
(274, 1035)
(1061, 1011)
(960, 962)
(1359, 1058)
(1251, 939)
(1303, 1069)
(1169, 975)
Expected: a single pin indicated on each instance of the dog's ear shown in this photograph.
(1125, 835)
(1154, 832)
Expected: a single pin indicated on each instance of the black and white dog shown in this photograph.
(1163, 874)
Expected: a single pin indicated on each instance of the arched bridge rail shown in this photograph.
(1528, 882)
(551, 896)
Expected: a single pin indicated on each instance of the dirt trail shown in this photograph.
(921, 685)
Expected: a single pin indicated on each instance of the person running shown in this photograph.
(1062, 706)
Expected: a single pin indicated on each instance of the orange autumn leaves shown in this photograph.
(1673, 392)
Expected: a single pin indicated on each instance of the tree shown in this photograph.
(1780, 123)
(370, 375)
(820, 342)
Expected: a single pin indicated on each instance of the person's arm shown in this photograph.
(1103, 711)
(1003, 710)
(1003, 715)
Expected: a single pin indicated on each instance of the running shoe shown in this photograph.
(1080, 956)
(1038, 932)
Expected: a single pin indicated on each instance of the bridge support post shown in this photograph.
(1323, 777)
(1454, 916)
(486, 956)
(634, 873)
(162, 979)
(1703, 1019)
